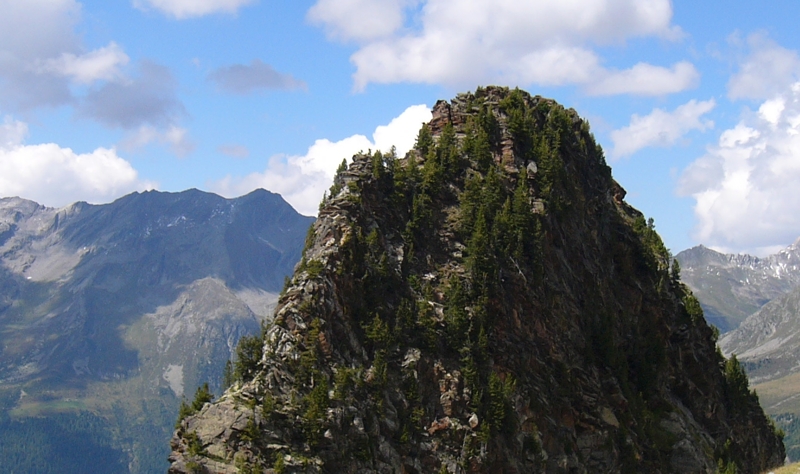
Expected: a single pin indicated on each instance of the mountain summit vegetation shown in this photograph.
(487, 303)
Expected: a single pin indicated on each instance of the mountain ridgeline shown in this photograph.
(732, 287)
(488, 303)
(107, 312)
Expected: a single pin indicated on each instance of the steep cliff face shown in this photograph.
(489, 303)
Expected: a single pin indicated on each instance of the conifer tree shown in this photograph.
(228, 377)
(202, 396)
(477, 147)
(424, 140)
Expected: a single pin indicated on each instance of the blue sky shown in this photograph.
(697, 104)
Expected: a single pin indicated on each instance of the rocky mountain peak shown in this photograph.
(487, 303)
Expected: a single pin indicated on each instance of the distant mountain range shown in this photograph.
(755, 302)
(732, 287)
(109, 314)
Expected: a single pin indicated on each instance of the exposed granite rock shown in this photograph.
(432, 328)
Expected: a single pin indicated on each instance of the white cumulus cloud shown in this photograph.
(359, 19)
(747, 187)
(41, 55)
(100, 64)
(302, 180)
(56, 176)
(646, 79)
(661, 128)
(464, 42)
(177, 138)
(150, 98)
(12, 133)
(181, 9)
(29, 33)
(146, 106)
(765, 71)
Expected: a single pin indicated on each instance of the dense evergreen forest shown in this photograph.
(80, 441)
(58, 444)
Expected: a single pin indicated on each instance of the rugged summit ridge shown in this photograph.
(489, 303)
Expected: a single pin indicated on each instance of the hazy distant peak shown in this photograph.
(731, 287)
